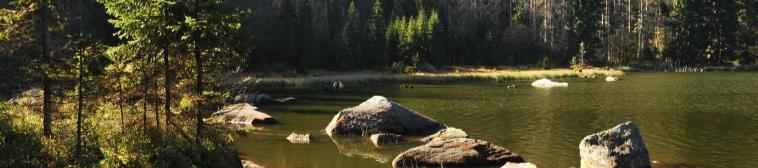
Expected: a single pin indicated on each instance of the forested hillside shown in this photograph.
(500, 32)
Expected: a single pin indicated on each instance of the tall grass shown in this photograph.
(368, 78)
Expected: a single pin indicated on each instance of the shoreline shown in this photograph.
(374, 77)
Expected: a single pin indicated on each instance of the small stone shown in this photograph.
(299, 138)
(382, 138)
(519, 165)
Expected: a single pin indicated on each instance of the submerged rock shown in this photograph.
(458, 152)
(358, 147)
(299, 138)
(379, 115)
(262, 99)
(382, 138)
(547, 83)
(447, 133)
(242, 113)
(519, 165)
(620, 146)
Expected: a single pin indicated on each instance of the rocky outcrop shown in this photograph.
(382, 138)
(31, 97)
(379, 115)
(299, 138)
(519, 165)
(262, 99)
(457, 152)
(618, 147)
(447, 133)
(242, 113)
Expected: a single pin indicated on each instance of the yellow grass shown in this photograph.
(368, 78)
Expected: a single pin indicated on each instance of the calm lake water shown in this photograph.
(686, 120)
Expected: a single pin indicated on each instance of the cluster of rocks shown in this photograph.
(387, 122)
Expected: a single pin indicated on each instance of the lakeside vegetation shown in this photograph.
(363, 78)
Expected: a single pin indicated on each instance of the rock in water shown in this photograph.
(382, 138)
(547, 83)
(458, 152)
(379, 115)
(447, 133)
(611, 79)
(618, 147)
(243, 113)
(519, 165)
(250, 164)
(299, 138)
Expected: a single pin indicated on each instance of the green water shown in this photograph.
(687, 120)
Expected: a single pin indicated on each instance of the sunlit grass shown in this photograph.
(367, 78)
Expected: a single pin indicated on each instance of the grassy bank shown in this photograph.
(372, 77)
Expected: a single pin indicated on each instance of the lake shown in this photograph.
(686, 120)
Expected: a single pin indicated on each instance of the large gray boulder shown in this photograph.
(242, 113)
(618, 147)
(379, 115)
(457, 152)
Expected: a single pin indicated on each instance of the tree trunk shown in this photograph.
(154, 97)
(80, 97)
(46, 93)
(144, 93)
(120, 98)
(199, 88)
(167, 85)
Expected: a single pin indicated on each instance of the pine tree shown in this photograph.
(377, 35)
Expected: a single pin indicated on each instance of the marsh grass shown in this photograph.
(370, 78)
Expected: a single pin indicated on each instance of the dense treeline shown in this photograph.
(502, 32)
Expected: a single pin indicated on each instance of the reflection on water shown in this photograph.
(692, 119)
